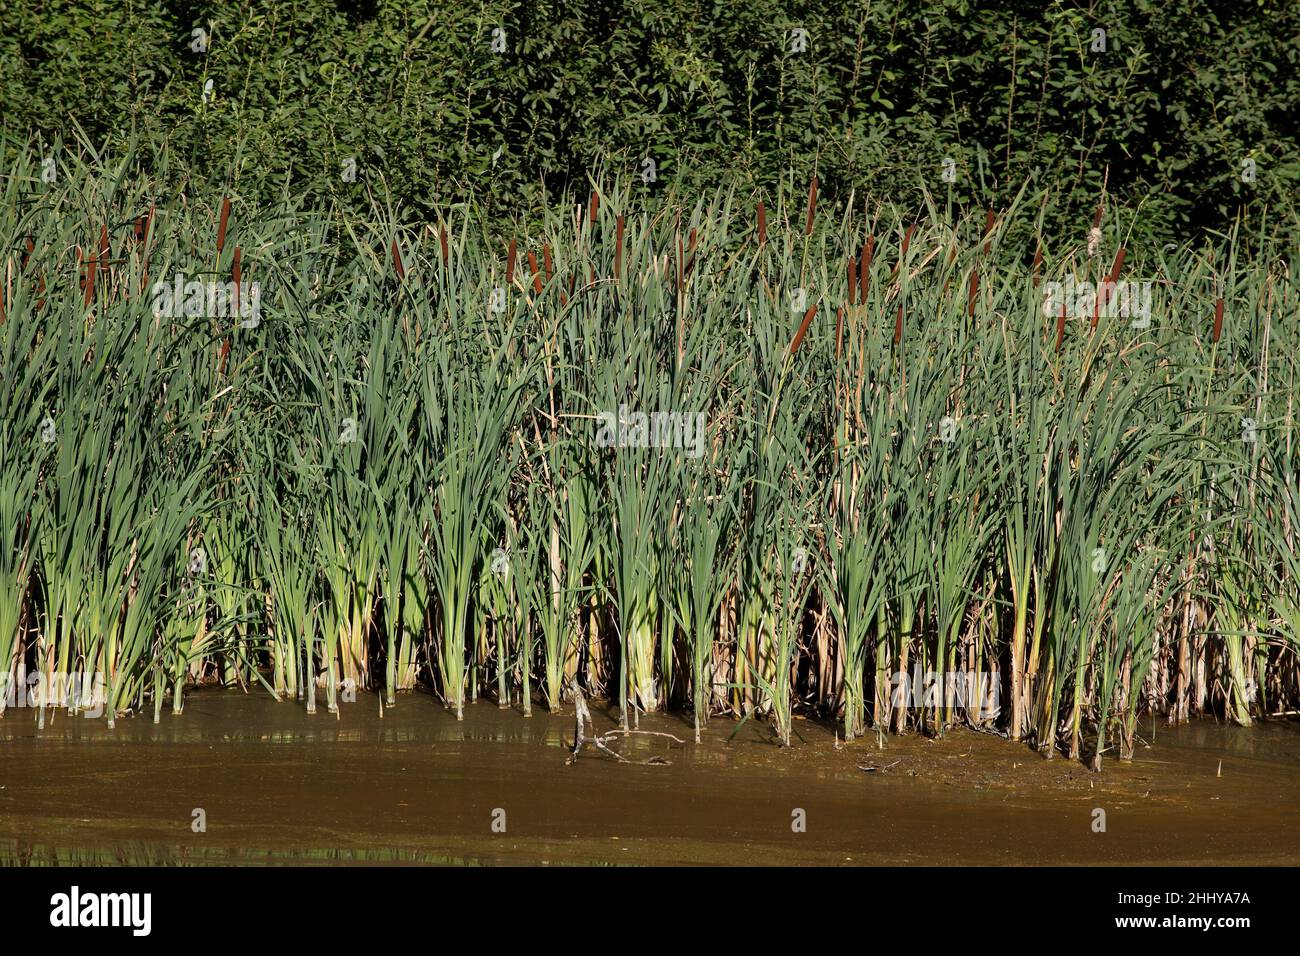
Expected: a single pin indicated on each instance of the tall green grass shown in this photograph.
(396, 475)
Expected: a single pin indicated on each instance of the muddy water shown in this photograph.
(415, 786)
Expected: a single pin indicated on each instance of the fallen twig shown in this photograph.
(871, 768)
(583, 716)
(645, 733)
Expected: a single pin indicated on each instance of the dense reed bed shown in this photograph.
(402, 469)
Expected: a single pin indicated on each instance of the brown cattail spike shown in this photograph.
(803, 329)
(1119, 264)
(618, 247)
(236, 272)
(907, 241)
(864, 271)
(812, 206)
(988, 231)
(221, 228)
(1218, 319)
(397, 263)
(762, 223)
(853, 281)
(532, 268)
(91, 269)
(974, 293)
(1108, 287)
(510, 262)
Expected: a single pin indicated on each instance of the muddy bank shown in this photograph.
(417, 787)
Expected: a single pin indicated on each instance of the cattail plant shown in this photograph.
(1102, 524)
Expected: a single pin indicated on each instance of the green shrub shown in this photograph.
(1184, 93)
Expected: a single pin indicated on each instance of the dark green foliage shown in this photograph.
(1185, 92)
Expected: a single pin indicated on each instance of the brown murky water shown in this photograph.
(415, 786)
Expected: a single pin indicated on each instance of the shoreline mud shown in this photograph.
(417, 787)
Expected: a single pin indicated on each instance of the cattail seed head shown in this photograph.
(397, 262)
(812, 206)
(803, 328)
(1119, 264)
(532, 268)
(221, 227)
(618, 247)
(236, 271)
(91, 268)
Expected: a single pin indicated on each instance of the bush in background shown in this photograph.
(1173, 110)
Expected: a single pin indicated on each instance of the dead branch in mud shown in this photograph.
(582, 717)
